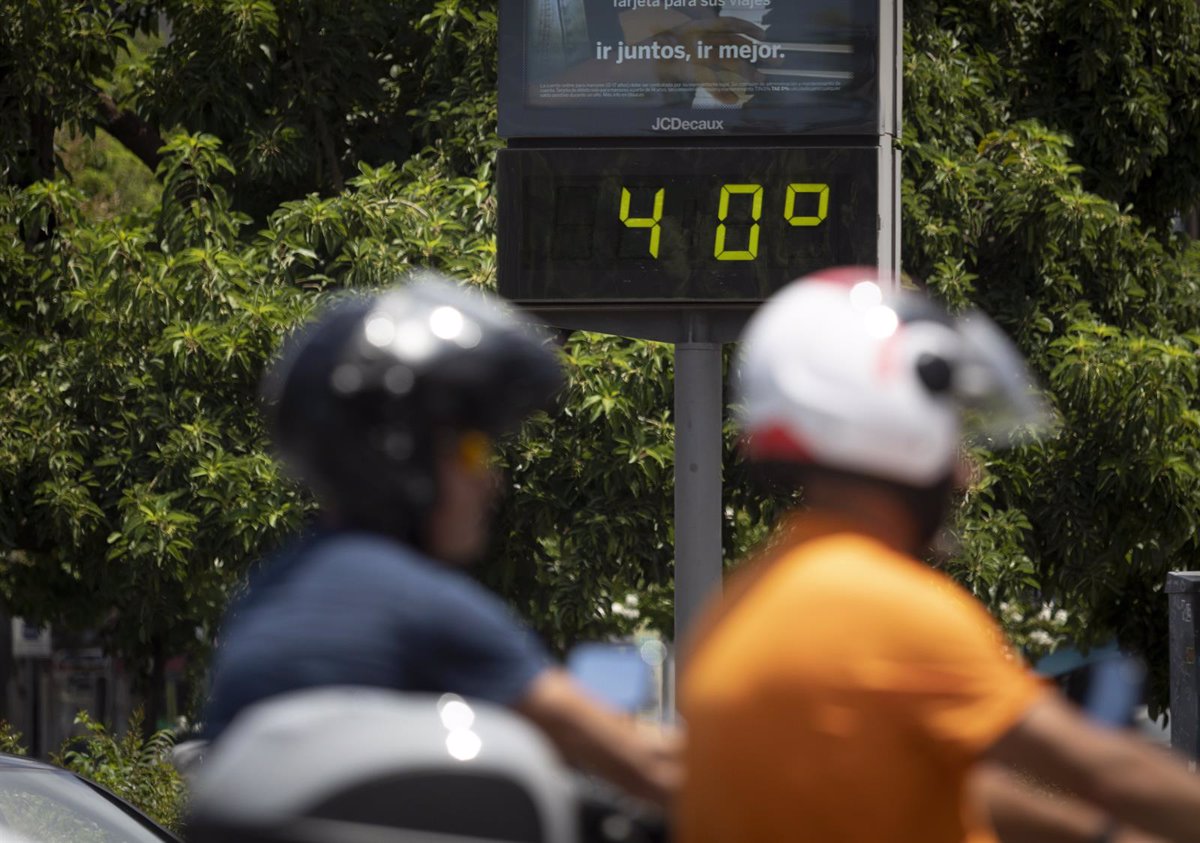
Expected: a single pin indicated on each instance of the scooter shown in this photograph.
(365, 765)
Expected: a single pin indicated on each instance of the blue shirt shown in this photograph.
(353, 608)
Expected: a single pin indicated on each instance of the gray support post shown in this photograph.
(698, 412)
(1183, 597)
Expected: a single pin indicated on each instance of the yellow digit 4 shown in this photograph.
(652, 223)
(822, 191)
(751, 252)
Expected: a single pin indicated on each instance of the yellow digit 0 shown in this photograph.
(822, 191)
(652, 223)
(751, 252)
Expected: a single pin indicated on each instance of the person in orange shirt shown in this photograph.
(842, 691)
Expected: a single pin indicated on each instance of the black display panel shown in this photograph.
(689, 67)
(664, 224)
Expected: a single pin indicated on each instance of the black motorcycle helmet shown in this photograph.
(362, 399)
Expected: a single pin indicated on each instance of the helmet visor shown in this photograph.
(1002, 404)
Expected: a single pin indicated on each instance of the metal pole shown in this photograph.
(698, 412)
(1183, 595)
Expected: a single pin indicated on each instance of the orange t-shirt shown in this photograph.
(839, 694)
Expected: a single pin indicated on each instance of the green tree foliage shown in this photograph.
(130, 453)
(11, 741)
(305, 146)
(51, 56)
(137, 487)
(135, 768)
(589, 519)
(112, 179)
(1048, 145)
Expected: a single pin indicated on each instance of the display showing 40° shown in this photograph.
(797, 199)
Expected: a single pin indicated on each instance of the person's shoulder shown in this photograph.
(350, 554)
(883, 583)
(847, 560)
(359, 545)
(393, 560)
(924, 609)
(856, 556)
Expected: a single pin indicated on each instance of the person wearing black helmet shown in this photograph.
(386, 407)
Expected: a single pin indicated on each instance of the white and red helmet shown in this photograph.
(840, 369)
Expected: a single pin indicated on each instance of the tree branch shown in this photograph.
(42, 128)
(323, 135)
(136, 135)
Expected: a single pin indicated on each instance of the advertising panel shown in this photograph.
(645, 68)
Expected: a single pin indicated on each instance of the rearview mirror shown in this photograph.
(616, 674)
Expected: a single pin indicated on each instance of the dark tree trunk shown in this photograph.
(41, 166)
(42, 129)
(154, 687)
(327, 147)
(136, 135)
